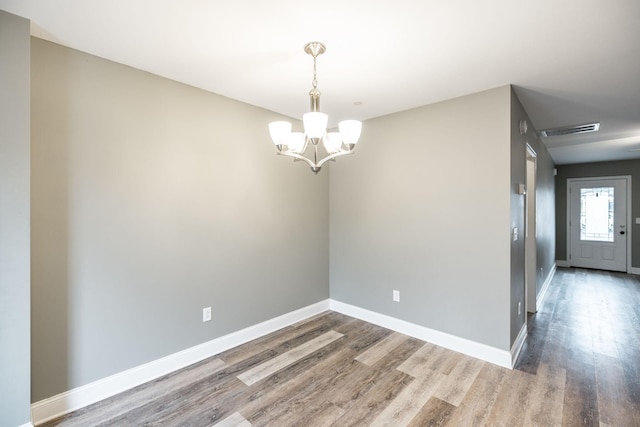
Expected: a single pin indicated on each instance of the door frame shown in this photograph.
(628, 228)
(531, 245)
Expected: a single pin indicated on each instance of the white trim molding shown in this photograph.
(635, 270)
(29, 424)
(85, 395)
(562, 263)
(518, 344)
(545, 286)
(452, 342)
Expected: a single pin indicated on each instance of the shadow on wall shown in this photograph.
(51, 307)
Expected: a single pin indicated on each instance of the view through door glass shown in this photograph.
(596, 214)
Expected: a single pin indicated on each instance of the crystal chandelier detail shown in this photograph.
(295, 144)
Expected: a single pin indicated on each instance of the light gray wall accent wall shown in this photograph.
(424, 207)
(15, 377)
(587, 170)
(545, 197)
(152, 200)
(518, 176)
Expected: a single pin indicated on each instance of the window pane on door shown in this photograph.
(596, 214)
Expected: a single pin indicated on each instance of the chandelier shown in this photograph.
(295, 144)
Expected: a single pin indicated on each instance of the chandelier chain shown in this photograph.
(314, 82)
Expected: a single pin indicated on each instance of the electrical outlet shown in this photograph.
(396, 295)
(206, 314)
(519, 308)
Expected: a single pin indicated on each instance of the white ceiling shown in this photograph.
(571, 61)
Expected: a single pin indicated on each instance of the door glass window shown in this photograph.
(596, 214)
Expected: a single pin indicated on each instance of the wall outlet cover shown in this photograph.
(206, 314)
(396, 296)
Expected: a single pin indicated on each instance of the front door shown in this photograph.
(598, 223)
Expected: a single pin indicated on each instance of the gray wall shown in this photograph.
(545, 211)
(586, 170)
(424, 207)
(545, 202)
(14, 221)
(518, 176)
(152, 200)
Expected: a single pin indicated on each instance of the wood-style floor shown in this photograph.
(579, 366)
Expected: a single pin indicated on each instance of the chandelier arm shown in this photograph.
(333, 156)
(298, 157)
(306, 143)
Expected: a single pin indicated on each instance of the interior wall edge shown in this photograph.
(15, 211)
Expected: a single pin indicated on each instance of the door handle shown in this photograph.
(622, 232)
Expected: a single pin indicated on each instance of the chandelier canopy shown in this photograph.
(295, 144)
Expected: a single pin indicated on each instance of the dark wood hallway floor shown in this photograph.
(589, 326)
(580, 366)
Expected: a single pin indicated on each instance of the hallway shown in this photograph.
(589, 325)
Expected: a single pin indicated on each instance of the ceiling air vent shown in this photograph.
(571, 130)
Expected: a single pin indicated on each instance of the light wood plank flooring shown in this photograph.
(579, 366)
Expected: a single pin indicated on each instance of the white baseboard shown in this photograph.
(545, 287)
(562, 263)
(85, 395)
(27, 425)
(452, 342)
(518, 344)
